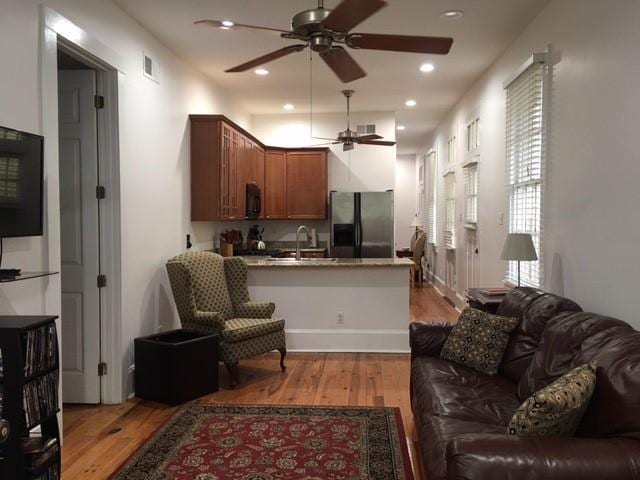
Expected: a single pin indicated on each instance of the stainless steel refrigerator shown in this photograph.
(362, 224)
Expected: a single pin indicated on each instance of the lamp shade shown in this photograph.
(519, 246)
(417, 223)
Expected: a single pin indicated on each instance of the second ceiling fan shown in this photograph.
(348, 138)
(325, 31)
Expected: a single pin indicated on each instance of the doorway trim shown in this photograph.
(60, 33)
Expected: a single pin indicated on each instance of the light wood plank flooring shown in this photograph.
(98, 439)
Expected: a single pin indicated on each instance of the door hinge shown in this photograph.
(102, 281)
(98, 101)
(101, 192)
(102, 369)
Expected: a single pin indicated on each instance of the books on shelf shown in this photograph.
(491, 292)
(40, 398)
(39, 450)
(40, 346)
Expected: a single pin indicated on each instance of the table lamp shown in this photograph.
(417, 223)
(519, 247)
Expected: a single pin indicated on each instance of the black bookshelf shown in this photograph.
(29, 381)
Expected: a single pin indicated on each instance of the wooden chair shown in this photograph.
(417, 247)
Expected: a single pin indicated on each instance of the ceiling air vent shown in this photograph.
(150, 68)
(366, 129)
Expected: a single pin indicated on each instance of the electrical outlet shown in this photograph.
(340, 320)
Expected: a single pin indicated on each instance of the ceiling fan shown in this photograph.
(326, 30)
(349, 138)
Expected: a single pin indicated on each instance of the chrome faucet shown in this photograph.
(300, 229)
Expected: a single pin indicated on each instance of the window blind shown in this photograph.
(432, 172)
(452, 150)
(471, 194)
(450, 210)
(525, 144)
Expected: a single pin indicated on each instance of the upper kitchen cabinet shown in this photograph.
(306, 184)
(225, 158)
(275, 195)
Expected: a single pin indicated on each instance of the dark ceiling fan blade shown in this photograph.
(269, 57)
(378, 142)
(400, 43)
(343, 64)
(350, 13)
(366, 138)
(220, 24)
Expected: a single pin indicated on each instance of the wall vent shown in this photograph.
(150, 68)
(366, 129)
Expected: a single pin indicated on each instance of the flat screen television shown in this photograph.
(21, 183)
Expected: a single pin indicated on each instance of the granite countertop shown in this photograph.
(263, 262)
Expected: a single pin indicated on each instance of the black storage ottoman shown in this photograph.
(176, 366)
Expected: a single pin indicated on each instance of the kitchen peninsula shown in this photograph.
(341, 305)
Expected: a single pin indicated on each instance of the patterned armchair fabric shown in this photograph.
(212, 296)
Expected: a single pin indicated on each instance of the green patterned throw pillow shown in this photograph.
(478, 340)
(556, 410)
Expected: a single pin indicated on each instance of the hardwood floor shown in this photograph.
(99, 439)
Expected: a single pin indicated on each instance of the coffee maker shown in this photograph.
(254, 238)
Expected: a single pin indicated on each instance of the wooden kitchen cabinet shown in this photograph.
(275, 193)
(225, 157)
(306, 184)
(251, 170)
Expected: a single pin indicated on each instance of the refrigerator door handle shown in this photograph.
(358, 225)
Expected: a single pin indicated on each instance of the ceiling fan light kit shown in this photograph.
(327, 32)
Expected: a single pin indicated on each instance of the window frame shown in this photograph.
(525, 142)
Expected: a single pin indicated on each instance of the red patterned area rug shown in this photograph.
(222, 442)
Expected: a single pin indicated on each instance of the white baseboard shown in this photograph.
(345, 340)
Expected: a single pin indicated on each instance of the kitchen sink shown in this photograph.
(293, 260)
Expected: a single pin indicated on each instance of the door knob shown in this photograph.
(4, 431)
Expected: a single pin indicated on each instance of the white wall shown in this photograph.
(592, 161)
(405, 202)
(154, 156)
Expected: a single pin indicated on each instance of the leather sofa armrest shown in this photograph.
(507, 457)
(428, 338)
(210, 322)
(255, 310)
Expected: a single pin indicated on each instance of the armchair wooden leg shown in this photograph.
(283, 353)
(234, 374)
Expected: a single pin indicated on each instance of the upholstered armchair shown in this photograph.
(212, 296)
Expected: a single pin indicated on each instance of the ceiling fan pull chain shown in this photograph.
(311, 94)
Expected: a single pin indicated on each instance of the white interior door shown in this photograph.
(79, 220)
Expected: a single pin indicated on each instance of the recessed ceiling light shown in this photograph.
(410, 103)
(400, 127)
(452, 14)
(262, 71)
(427, 67)
(227, 23)
(288, 106)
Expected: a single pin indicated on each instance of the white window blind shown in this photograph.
(452, 150)
(525, 166)
(473, 135)
(450, 210)
(471, 194)
(432, 172)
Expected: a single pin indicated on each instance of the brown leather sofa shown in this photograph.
(461, 415)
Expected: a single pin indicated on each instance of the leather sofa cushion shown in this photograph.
(572, 339)
(450, 400)
(517, 301)
(524, 340)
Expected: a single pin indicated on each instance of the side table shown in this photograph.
(486, 303)
(176, 366)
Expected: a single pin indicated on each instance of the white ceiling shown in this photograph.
(485, 30)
